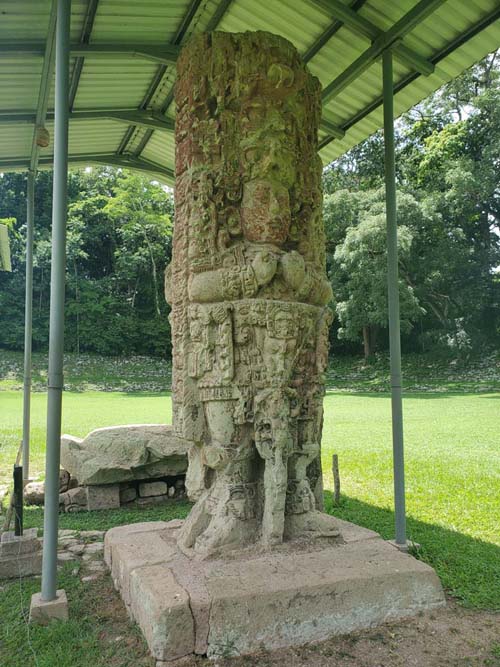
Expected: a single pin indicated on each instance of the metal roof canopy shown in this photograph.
(122, 67)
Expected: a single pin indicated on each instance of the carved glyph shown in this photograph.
(248, 291)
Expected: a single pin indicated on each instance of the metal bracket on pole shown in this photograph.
(393, 299)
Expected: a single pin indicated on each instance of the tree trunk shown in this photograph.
(366, 342)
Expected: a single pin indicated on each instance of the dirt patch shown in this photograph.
(450, 637)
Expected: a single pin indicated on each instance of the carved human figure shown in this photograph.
(249, 292)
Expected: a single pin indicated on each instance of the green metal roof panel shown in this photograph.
(15, 139)
(454, 36)
(116, 82)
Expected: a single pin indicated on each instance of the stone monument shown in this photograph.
(249, 292)
(249, 316)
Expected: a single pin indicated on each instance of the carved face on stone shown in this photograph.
(284, 326)
(265, 212)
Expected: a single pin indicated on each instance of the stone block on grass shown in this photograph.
(149, 489)
(105, 497)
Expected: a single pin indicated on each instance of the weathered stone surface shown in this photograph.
(12, 545)
(127, 495)
(122, 453)
(23, 565)
(34, 492)
(122, 534)
(248, 291)
(291, 595)
(148, 489)
(42, 612)
(74, 500)
(161, 608)
(20, 556)
(103, 497)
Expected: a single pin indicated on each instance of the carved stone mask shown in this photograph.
(265, 212)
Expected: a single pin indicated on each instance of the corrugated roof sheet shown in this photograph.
(454, 36)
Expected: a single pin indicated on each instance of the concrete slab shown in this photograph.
(43, 612)
(292, 595)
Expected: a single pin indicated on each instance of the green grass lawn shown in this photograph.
(452, 470)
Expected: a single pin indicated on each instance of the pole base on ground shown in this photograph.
(409, 545)
(44, 611)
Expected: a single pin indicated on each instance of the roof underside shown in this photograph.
(123, 67)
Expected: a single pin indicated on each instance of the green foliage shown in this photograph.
(448, 223)
(361, 270)
(118, 243)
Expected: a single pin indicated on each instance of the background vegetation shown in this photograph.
(120, 232)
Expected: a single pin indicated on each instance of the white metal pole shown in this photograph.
(393, 299)
(57, 287)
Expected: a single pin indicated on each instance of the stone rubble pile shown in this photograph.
(85, 549)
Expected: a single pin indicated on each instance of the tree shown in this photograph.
(361, 270)
(118, 244)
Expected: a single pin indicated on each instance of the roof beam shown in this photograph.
(84, 39)
(159, 53)
(348, 16)
(105, 159)
(148, 119)
(385, 40)
(474, 30)
(49, 54)
(327, 34)
(333, 130)
(160, 73)
(222, 7)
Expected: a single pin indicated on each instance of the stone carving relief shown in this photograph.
(249, 293)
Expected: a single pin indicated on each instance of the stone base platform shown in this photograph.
(251, 600)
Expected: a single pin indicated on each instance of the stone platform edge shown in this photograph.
(287, 597)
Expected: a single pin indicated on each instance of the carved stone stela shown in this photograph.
(249, 292)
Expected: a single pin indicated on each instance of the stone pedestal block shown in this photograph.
(20, 556)
(296, 593)
(148, 489)
(105, 497)
(43, 612)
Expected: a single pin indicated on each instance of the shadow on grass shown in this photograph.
(491, 393)
(469, 568)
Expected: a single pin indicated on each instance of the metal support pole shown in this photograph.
(393, 298)
(57, 286)
(28, 322)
